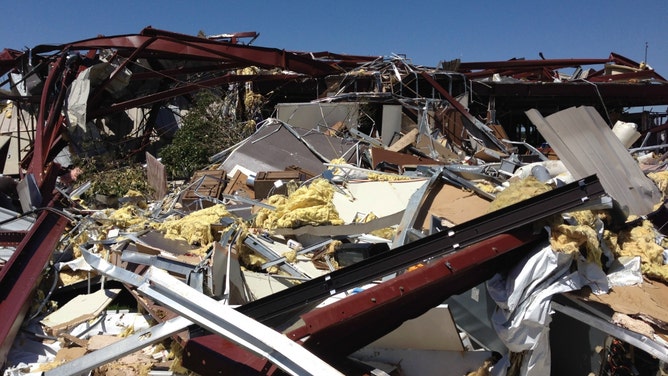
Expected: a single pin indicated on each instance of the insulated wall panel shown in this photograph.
(587, 145)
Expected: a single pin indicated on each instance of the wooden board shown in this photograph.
(206, 183)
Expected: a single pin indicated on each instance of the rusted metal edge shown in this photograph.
(22, 274)
(275, 309)
(334, 331)
(271, 309)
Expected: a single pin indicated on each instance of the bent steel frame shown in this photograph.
(223, 320)
(279, 309)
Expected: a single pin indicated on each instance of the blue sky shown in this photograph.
(426, 31)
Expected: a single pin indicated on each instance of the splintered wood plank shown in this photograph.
(206, 183)
(156, 176)
(405, 140)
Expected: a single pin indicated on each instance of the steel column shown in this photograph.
(21, 275)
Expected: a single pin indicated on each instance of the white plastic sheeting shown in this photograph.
(523, 300)
(625, 271)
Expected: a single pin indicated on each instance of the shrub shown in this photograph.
(206, 130)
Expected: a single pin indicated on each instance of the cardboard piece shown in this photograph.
(648, 300)
(453, 204)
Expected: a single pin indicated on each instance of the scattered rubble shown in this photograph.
(328, 214)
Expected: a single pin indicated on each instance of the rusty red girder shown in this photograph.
(11, 238)
(21, 275)
(626, 77)
(154, 43)
(181, 90)
(213, 56)
(336, 330)
(50, 119)
(529, 64)
(8, 60)
(519, 67)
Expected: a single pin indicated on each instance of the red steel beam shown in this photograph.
(341, 328)
(50, 119)
(191, 48)
(580, 93)
(529, 64)
(11, 238)
(338, 329)
(630, 77)
(46, 103)
(8, 60)
(21, 275)
(191, 87)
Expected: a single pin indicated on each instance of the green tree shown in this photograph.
(209, 127)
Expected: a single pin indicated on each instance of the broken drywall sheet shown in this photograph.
(587, 145)
(320, 116)
(382, 198)
(81, 308)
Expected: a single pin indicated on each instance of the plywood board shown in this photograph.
(156, 176)
(405, 140)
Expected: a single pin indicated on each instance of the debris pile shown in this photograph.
(328, 214)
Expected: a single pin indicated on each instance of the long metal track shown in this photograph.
(223, 320)
(272, 309)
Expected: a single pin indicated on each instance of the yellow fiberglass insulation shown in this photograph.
(137, 198)
(570, 239)
(585, 217)
(581, 237)
(385, 233)
(308, 205)
(519, 190)
(253, 261)
(386, 177)
(195, 228)
(486, 186)
(290, 256)
(641, 241)
(127, 217)
(661, 181)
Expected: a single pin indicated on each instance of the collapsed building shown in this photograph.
(382, 218)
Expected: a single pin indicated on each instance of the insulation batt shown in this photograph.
(308, 205)
(519, 190)
(641, 241)
(195, 228)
